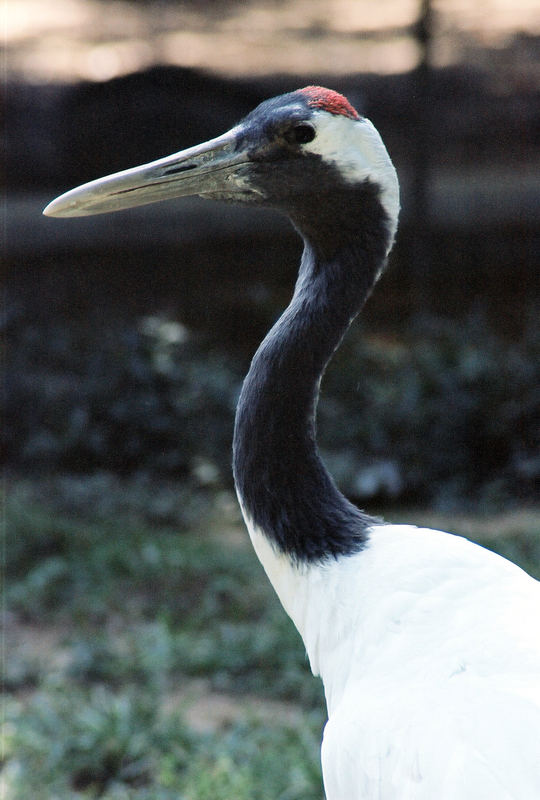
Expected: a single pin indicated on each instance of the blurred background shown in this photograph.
(146, 656)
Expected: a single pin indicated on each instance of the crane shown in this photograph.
(428, 645)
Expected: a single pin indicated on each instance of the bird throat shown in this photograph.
(283, 486)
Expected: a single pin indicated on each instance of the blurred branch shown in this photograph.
(423, 140)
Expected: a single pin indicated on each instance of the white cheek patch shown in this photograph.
(357, 150)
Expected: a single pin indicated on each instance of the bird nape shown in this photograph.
(428, 645)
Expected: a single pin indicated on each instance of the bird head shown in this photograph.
(290, 149)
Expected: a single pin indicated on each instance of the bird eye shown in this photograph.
(301, 134)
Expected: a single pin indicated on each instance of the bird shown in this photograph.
(427, 644)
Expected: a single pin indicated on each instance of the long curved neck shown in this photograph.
(283, 486)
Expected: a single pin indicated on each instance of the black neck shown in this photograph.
(282, 482)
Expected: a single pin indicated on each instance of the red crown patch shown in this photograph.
(328, 100)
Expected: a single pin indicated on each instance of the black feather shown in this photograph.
(282, 482)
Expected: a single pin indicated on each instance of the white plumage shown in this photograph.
(429, 650)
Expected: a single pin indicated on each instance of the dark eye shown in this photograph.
(301, 134)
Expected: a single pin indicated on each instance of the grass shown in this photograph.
(104, 742)
(121, 634)
(148, 657)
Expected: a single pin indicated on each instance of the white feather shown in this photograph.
(356, 148)
(429, 650)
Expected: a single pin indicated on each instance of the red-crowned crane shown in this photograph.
(428, 645)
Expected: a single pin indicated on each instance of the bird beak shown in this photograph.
(212, 168)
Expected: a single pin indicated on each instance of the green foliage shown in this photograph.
(100, 743)
(120, 399)
(245, 760)
(523, 549)
(450, 414)
(199, 606)
(145, 615)
(88, 740)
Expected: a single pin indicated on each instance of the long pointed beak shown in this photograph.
(211, 168)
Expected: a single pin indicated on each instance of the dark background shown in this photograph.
(127, 335)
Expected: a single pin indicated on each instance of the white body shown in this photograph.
(429, 650)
